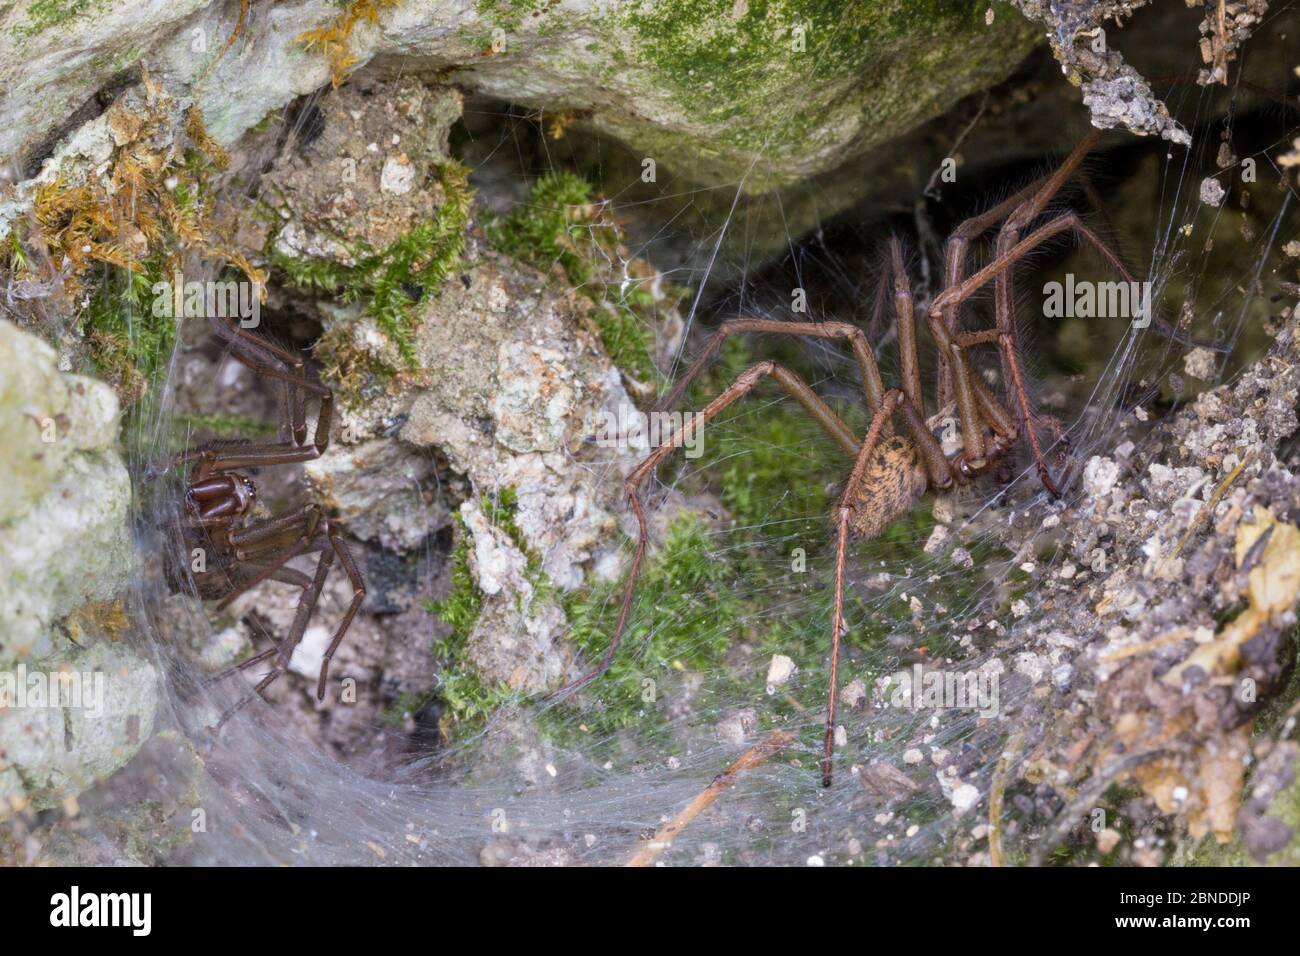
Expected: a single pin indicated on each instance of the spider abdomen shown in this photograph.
(894, 481)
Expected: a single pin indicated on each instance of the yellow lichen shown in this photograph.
(334, 39)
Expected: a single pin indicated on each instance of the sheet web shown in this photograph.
(740, 577)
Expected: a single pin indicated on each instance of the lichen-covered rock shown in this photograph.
(49, 752)
(691, 83)
(55, 55)
(64, 495)
(518, 639)
(65, 556)
(365, 171)
(523, 389)
(388, 490)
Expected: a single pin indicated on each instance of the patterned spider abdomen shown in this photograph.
(893, 483)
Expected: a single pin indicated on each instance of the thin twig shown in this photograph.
(1208, 509)
(997, 791)
(751, 758)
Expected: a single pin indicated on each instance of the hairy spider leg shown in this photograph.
(745, 382)
(314, 534)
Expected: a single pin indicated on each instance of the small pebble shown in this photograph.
(779, 671)
(965, 797)
(1211, 191)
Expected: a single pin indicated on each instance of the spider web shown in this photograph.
(578, 790)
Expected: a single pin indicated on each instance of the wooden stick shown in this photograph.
(996, 793)
(751, 758)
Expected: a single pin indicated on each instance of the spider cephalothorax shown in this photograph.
(904, 454)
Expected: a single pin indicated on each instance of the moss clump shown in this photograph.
(128, 343)
(460, 609)
(395, 281)
(562, 224)
(727, 70)
(467, 697)
(688, 590)
(152, 210)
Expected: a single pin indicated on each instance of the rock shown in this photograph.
(692, 84)
(1107, 840)
(65, 556)
(1201, 363)
(964, 798)
(854, 695)
(63, 503)
(1212, 191)
(780, 670)
(937, 537)
(518, 637)
(53, 752)
(884, 780)
(1099, 476)
(382, 491)
(370, 174)
(1114, 92)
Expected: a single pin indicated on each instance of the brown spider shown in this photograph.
(891, 470)
(239, 551)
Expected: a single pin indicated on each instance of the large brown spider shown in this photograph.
(892, 471)
(239, 551)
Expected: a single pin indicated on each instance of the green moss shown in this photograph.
(562, 224)
(128, 343)
(469, 699)
(44, 14)
(507, 14)
(723, 69)
(688, 589)
(461, 607)
(241, 426)
(396, 280)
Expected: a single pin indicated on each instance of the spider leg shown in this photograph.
(1009, 254)
(272, 572)
(845, 512)
(956, 251)
(872, 384)
(223, 456)
(358, 595)
(909, 366)
(314, 533)
(743, 384)
(270, 361)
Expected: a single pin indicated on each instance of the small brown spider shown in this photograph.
(239, 551)
(893, 470)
